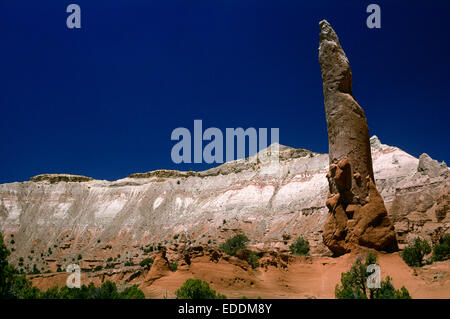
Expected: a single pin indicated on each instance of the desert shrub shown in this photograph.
(6, 270)
(173, 266)
(21, 288)
(232, 245)
(35, 270)
(146, 262)
(300, 246)
(442, 250)
(148, 250)
(80, 257)
(354, 284)
(51, 293)
(252, 259)
(108, 290)
(129, 263)
(58, 269)
(132, 292)
(98, 268)
(197, 289)
(413, 254)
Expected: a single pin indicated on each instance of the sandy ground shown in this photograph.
(311, 277)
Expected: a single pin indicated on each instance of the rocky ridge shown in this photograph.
(94, 221)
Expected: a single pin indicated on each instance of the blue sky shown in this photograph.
(103, 100)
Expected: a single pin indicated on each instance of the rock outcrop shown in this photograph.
(122, 219)
(357, 215)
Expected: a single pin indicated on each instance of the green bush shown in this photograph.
(252, 259)
(300, 247)
(132, 292)
(413, 254)
(354, 284)
(442, 250)
(148, 250)
(146, 262)
(173, 266)
(129, 263)
(35, 270)
(197, 289)
(15, 286)
(6, 271)
(232, 245)
(108, 290)
(98, 268)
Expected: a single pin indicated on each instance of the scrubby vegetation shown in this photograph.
(56, 178)
(173, 266)
(146, 262)
(14, 285)
(354, 284)
(442, 250)
(197, 289)
(252, 259)
(413, 254)
(300, 247)
(237, 246)
(232, 245)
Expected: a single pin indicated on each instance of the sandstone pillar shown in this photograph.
(357, 215)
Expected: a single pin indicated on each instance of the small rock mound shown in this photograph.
(430, 167)
(56, 178)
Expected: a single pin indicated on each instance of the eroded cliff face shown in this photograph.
(52, 221)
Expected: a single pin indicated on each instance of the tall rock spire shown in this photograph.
(357, 215)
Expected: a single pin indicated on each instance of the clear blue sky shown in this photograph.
(103, 100)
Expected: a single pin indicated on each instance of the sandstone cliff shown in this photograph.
(53, 221)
